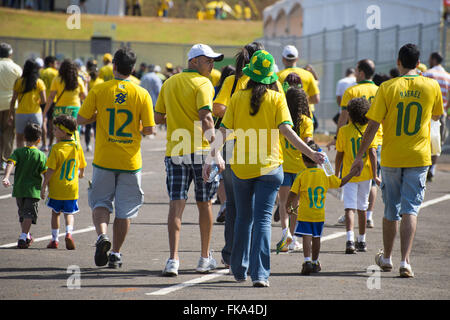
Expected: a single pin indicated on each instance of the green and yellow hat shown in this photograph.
(261, 68)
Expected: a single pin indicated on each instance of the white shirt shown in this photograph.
(343, 84)
(9, 73)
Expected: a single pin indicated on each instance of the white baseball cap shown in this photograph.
(290, 52)
(204, 50)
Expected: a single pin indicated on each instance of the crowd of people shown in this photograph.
(248, 123)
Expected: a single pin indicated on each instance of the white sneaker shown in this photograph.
(294, 245)
(171, 269)
(341, 219)
(205, 265)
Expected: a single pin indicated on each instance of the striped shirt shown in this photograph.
(439, 74)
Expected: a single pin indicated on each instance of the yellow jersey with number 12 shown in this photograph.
(121, 107)
(405, 106)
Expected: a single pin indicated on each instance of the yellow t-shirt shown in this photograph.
(405, 106)
(309, 83)
(30, 101)
(47, 75)
(292, 158)
(135, 80)
(312, 184)
(93, 83)
(224, 95)
(180, 99)
(121, 107)
(106, 72)
(65, 158)
(257, 150)
(215, 76)
(348, 142)
(67, 98)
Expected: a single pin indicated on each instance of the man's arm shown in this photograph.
(219, 109)
(81, 120)
(160, 118)
(207, 121)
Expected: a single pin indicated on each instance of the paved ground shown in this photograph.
(40, 273)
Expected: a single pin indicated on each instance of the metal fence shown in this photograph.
(155, 53)
(331, 52)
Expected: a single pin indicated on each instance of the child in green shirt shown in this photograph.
(30, 164)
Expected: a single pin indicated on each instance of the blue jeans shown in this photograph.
(230, 216)
(403, 191)
(254, 200)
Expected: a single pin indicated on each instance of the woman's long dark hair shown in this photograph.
(298, 105)
(69, 74)
(226, 71)
(30, 75)
(244, 55)
(258, 91)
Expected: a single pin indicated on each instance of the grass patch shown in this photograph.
(46, 25)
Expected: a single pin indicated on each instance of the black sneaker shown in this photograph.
(221, 216)
(114, 261)
(361, 246)
(101, 252)
(350, 247)
(307, 268)
(316, 267)
(22, 244)
(276, 215)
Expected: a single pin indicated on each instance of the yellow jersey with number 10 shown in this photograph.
(405, 106)
(120, 106)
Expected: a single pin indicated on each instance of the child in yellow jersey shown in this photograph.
(66, 159)
(308, 195)
(292, 158)
(356, 193)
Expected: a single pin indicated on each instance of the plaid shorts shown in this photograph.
(181, 171)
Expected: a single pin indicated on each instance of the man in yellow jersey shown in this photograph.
(309, 84)
(118, 106)
(185, 104)
(106, 72)
(406, 106)
(364, 88)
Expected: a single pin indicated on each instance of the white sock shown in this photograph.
(404, 264)
(315, 261)
(350, 236)
(386, 260)
(69, 228)
(23, 236)
(369, 215)
(308, 259)
(55, 234)
(28, 235)
(117, 254)
(362, 238)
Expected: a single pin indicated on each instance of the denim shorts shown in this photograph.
(306, 228)
(64, 206)
(181, 171)
(116, 191)
(288, 180)
(403, 190)
(22, 119)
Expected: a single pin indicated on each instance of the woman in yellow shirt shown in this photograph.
(257, 114)
(30, 91)
(68, 89)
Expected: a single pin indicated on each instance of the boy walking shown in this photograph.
(30, 164)
(308, 195)
(65, 160)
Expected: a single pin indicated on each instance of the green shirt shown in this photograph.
(30, 164)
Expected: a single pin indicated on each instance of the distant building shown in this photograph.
(305, 17)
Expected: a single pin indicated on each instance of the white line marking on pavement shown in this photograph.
(219, 273)
(6, 196)
(189, 283)
(10, 245)
(434, 201)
